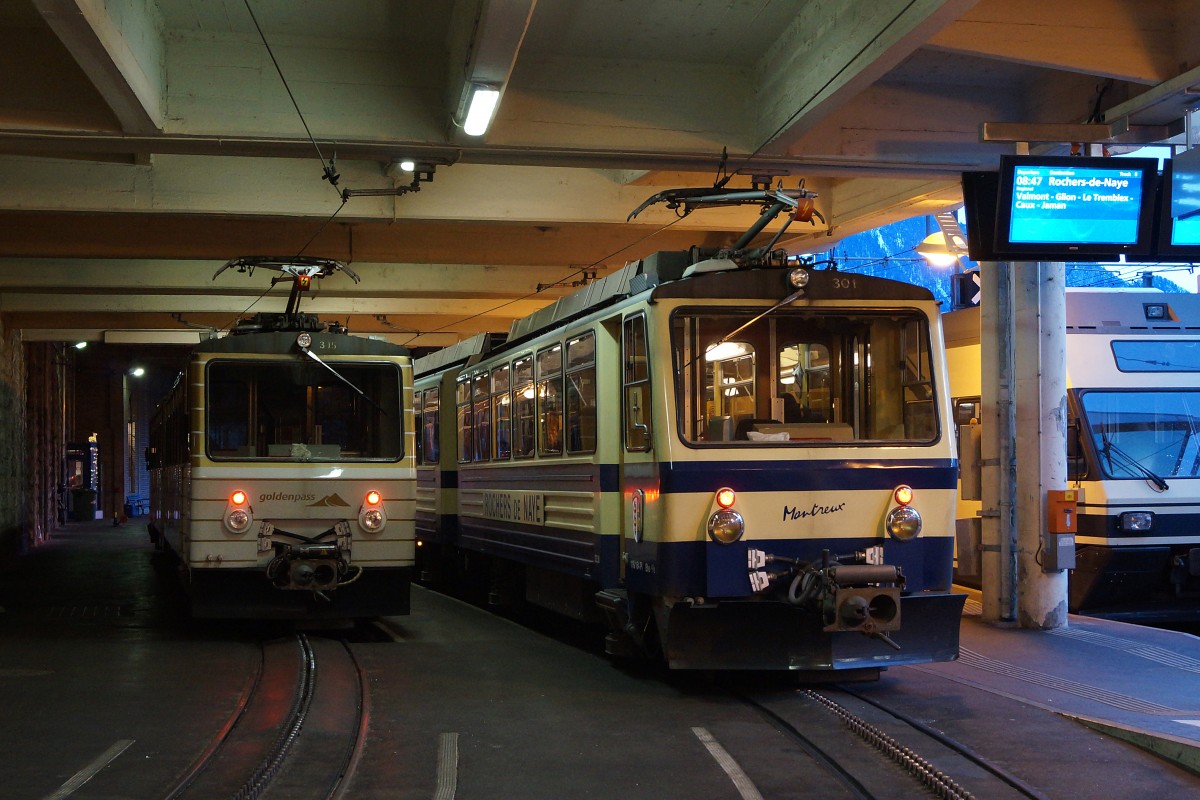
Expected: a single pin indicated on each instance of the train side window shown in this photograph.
(501, 412)
(636, 383)
(418, 415)
(550, 401)
(581, 394)
(482, 402)
(430, 427)
(524, 408)
(465, 422)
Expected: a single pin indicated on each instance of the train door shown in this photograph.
(638, 475)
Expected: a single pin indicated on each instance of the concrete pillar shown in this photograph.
(997, 526)
(1039, 348)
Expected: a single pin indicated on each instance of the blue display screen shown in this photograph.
(1082, 205)
(1185, 206)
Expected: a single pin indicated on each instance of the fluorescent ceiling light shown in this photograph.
(479, 113)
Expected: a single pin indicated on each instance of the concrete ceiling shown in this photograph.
(145, 142)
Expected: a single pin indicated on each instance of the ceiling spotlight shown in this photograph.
(408, 165)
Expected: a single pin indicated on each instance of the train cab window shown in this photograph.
(1146, 434)
(300, 412)
(464, 419)
(502, 412)
(635, 383)
(430, 427)
(803, 377)
(549, 400)
(481, 399)
(524, 420)
(581, 394)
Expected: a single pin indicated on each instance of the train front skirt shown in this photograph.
(770, 636)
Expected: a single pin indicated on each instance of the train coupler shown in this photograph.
(862, 598)
(315, 566)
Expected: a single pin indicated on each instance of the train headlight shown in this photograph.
(903, 523)
(370, 515)
(798, 278)
(726, 527)
(238, 514)
(1137, 520)
(304, 340)
(238, 520)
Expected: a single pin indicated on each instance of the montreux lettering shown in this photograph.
(795, 512)
(513, 507)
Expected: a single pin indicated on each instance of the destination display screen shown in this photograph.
(1180, 224)
(1085, 205)
(1075, 208)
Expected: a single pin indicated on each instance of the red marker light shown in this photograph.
(904, 495)
(238, 498)
(373, 498)
(726, 497)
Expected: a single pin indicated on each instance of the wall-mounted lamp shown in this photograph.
(481, 107)
(80, 345)
(944, 247)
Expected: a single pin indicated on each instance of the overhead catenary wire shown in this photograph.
(327, 167)
(542, 288)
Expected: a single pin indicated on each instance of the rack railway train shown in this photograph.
(735, 461)
(1133, 454)
(281, 467)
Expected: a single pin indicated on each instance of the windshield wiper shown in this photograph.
(1128, 462)
(344, 380)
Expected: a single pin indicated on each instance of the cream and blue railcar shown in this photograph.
(739, 464)
(1133, 414)
(283, 474)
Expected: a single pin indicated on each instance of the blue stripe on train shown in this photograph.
(1184, 527)
(762, 476)
(712, 570)
(781, 476)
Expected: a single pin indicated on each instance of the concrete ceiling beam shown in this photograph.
(119, 46)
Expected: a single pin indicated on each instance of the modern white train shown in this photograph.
(1133, 378)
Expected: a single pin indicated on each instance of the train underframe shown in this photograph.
(294, 586)
(852, 632)
(1137, 582)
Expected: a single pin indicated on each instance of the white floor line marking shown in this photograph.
(741, 781)
(447, 772)
(87, 773)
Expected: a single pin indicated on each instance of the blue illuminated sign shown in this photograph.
(1083, 205)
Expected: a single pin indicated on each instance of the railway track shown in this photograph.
(296, 732)
(867, 751)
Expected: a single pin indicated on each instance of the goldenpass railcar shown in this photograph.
(1133, 431)
(282, 470)
(735, 461)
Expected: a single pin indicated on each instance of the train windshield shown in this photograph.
(1135, 432)
(300, 411)
(803, 376)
